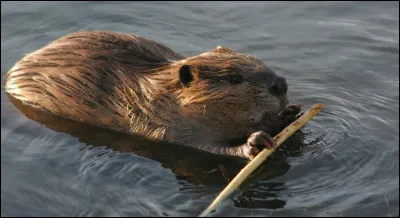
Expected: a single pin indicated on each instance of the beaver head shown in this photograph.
(227, 91)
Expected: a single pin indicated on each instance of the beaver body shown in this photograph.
(220, 101)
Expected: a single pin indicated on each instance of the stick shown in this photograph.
(262, 156)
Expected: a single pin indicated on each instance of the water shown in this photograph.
(346, 162)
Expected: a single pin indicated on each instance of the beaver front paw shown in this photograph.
(257, 142)
(290, 114)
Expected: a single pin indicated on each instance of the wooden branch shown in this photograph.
(262, 156)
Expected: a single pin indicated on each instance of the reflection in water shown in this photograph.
(267, 197)
(188, 164)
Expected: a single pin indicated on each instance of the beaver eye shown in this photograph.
(237, 79)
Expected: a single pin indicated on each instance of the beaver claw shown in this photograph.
(290, 114)
(257, 142)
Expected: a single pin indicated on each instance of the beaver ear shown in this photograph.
(185, 75)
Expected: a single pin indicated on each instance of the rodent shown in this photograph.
(220, 101)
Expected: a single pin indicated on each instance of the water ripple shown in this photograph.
(342, 54)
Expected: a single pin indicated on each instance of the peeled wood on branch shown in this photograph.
(262, 156)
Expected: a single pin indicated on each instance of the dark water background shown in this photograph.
(343, 54)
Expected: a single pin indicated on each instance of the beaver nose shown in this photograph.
(278, 86)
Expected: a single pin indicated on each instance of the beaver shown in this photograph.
(220, 101)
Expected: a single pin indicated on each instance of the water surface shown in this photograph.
(346, 162)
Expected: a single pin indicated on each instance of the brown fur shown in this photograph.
(131, 84)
